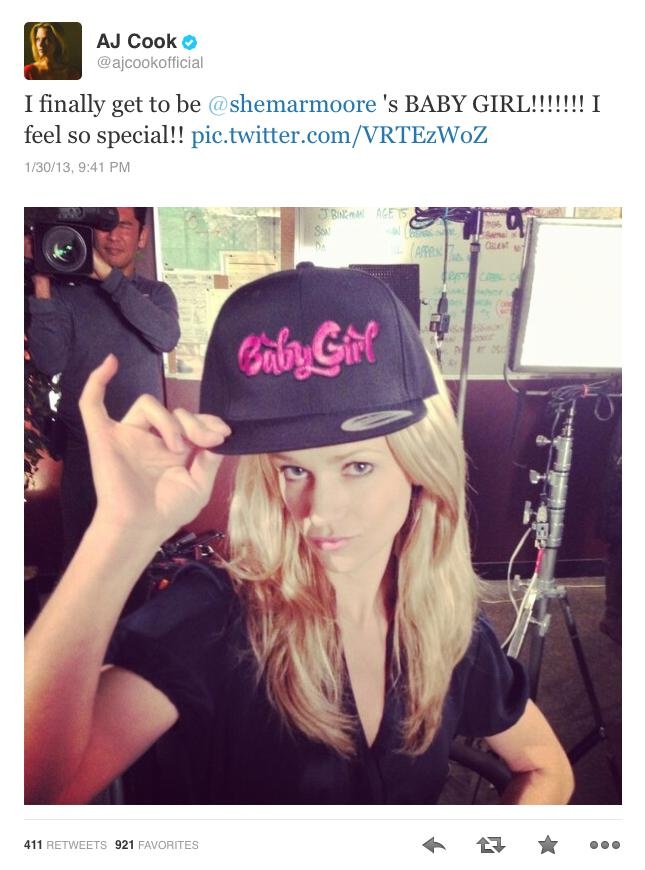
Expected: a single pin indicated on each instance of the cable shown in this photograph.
(510, 569)
(598, 389)
(505, 371)
(425, 217)
(529, 590)
(440, 320)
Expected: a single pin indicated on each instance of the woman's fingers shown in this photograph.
(203, 471)
(179, 429)
(148, 413)
(92, 400)
(202, 430)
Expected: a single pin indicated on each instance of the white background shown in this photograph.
(338, 50)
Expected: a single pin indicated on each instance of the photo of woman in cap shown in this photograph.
(337, 651)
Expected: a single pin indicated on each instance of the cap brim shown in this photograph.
(317, 430)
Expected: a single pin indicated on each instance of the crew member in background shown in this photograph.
(74, 326)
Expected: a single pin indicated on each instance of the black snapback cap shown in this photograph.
(312, 357)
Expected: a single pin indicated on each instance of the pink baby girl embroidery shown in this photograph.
(328, 352)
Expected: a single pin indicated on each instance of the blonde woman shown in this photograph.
(338, 651)
(49, 52)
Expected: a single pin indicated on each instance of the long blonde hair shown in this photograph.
(60, 48)
(290, 604)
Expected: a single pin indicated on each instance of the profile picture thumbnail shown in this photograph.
(53, 50)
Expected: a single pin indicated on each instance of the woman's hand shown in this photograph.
(152, 471)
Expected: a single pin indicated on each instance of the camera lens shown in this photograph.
(64, 248)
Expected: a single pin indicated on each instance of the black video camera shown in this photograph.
(63, 237)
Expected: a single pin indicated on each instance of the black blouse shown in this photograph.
(230, 746)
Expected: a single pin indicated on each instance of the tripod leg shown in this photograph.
(600, 732)
(536, 650)
(542, 617)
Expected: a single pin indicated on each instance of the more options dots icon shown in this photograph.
(604, 844)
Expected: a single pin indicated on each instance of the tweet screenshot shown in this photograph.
(322, 488)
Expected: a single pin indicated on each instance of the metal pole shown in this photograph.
(478, 221)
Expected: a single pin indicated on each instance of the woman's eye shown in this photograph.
(358, 469)
(293, 472)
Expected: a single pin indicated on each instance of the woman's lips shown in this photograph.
(329, 544)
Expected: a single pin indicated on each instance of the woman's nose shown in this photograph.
(327, 503)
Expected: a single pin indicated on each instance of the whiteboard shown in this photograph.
(340, 236)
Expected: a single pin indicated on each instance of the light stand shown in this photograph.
(534, 617)
(473, 221)
(472, 227)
